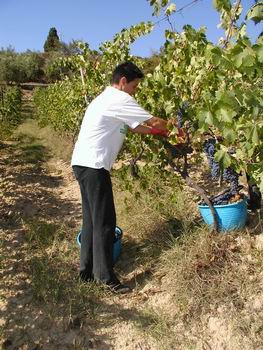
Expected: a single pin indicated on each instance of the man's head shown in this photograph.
(126, 77)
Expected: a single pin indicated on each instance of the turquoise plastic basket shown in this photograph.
(117, 243)
(231, 216)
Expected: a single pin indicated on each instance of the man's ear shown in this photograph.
(123, 81)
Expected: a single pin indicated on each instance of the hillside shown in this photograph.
(191, 289)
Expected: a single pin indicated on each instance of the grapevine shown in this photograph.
(223, 84)
(10, 109)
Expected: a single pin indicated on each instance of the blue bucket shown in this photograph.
(230, 216)
(116, 246)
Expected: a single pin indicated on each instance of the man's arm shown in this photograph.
(157, 123)
(153, 125)
(141, 129)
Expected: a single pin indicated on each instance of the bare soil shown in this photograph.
(38, 192)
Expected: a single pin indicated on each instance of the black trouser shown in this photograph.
(99, 222)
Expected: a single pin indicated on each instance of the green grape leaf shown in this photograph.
(208, 117)
(255, 136)
(226, 114)
(229, 134)
(255, 13)
(259, 52)
(245, 58)
(170, 9)
(223, 158)
(222, 5)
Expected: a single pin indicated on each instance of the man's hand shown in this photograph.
(172, 122)
(155, 131)
(178, 131)
(157, 123)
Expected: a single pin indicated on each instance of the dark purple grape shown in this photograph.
(181, 113)
(180, 118)
(186, 104)
(215, 170)
(224, 197)
(209, 148)
(230, 176)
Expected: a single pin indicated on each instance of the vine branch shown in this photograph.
(134, 168)
(166, 18)
(232, 21)
(190, 182)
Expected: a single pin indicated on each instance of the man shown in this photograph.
(106, 121)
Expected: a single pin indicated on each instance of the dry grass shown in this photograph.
(210, 281)
(210, 285)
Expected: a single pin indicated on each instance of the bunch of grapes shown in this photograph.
(220, 199)
(229, 195)
(209, 149)
(181, 113)
(180, 118)
(230, 176)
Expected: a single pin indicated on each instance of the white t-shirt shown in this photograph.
(104, 126)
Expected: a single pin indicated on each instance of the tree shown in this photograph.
(52, 43)
(71, 48)
(21, 67)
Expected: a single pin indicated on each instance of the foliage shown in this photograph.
(158, 5)
(32, 66)
(52, 71)
(70, 48)
(256, 12)
(10, 109)
(20, 68)
(150, 63)
(60, 105)
(222, 83)
(52, 42)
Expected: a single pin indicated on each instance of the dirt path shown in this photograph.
(42, 303)
(39, 200)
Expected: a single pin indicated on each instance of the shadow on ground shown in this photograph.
(34, 284)
(140, 257)
(28, 190)
(43, 305)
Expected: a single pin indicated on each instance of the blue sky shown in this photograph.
(24, 24)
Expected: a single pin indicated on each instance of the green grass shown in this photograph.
(28, 149)
(40, 234)
(60, 146)
(205, 273)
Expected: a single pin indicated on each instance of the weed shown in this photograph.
(39, 234)
(154, 322)
(46, 280)
(53, 255)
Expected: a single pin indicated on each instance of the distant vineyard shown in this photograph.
(10, 109)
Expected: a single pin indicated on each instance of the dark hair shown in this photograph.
(128, 70)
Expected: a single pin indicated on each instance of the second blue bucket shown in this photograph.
(116, 246)
(230, 216)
